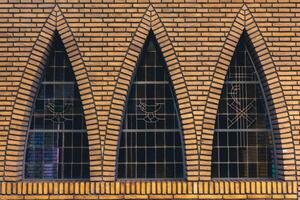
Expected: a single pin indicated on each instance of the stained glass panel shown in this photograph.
(151, 137)
(57, 145)
(243, 146)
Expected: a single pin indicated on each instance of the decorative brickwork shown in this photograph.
(103, 40)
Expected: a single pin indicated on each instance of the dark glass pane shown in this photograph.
(57, 146)
(150, 143)
(76, 171)
(233, 170)
(242, 141)
(141, 170)
(151, 171)
(223, 170)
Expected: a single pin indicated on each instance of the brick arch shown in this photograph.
(275, 98)
(150, 21)
(16, 140)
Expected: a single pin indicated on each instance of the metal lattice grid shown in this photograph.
(243, 145)
(57, 145)
(151, 144)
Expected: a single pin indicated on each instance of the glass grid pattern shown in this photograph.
(57, 145)
(151, 144)
(242, 146)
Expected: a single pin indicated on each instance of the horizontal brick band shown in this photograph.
(218, 189)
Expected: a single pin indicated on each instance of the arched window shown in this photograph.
(151, 138)
(57, 145)
(243, 145)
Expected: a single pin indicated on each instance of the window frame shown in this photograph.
(256, 64)
(141, 56)
(51, 50)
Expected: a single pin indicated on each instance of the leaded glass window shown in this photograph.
(151, 137)
(57, 145)
(242, 146)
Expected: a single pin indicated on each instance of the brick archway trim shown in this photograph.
(281, 125)
(150, 21)
(16, 139)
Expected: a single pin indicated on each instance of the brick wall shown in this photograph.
(103, 41)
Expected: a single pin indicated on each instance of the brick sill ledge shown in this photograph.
(147, 189)
(139, 197)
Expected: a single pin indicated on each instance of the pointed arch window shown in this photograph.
(57, 145)
(150, 144)
(243, 145)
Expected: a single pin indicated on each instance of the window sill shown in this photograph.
(214, 189)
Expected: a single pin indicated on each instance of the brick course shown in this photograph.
(103, 41)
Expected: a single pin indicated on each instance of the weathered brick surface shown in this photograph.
(103, 40)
